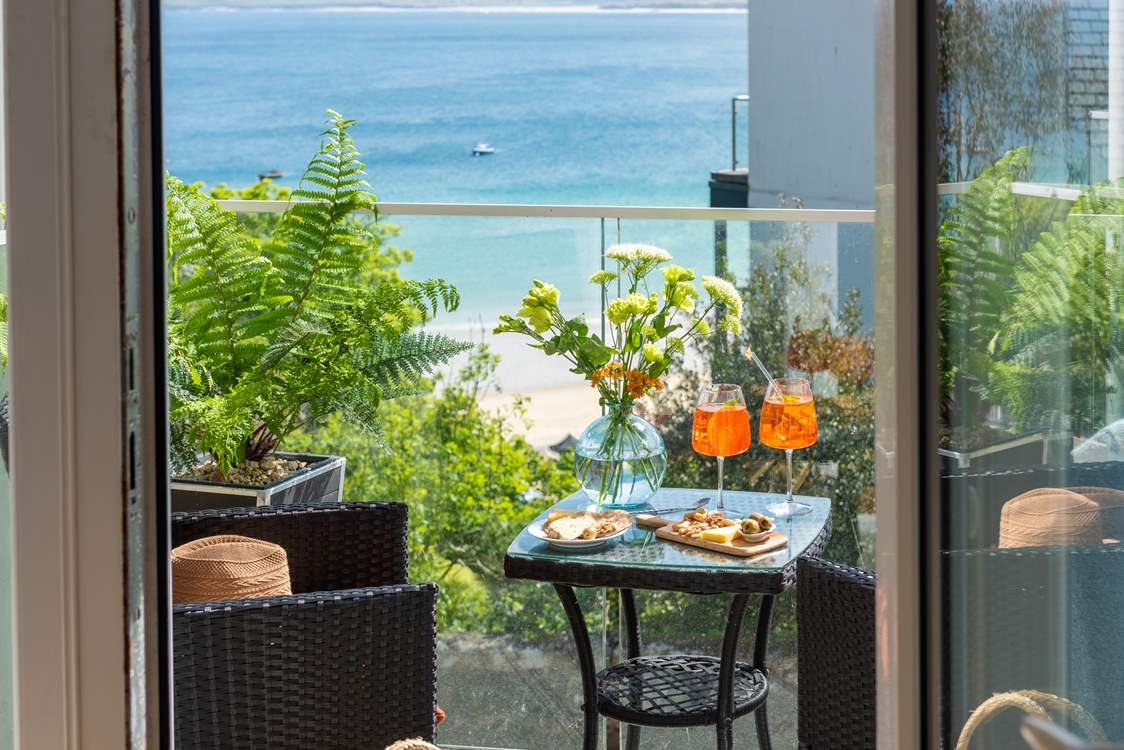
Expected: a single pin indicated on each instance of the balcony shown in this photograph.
(804, 274)
(490, 446)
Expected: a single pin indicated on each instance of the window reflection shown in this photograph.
(1032, 424)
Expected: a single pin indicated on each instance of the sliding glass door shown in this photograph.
(1029, 226)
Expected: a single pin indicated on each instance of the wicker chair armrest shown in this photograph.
(331, 546)
(835, 655)
(353, 668)
(843, 576)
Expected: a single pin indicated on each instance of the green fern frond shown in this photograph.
(317, 251)
(270, 337)
(221, 282)
(407, 358)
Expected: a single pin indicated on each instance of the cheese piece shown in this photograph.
(724, 535)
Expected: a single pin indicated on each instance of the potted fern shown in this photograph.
(269, 335)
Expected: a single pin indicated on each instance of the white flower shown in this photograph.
(724, 293)
(637, 252)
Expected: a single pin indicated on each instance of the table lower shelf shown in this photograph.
(675, 691)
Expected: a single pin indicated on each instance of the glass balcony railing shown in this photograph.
(487, 450)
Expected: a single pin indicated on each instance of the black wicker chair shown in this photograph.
(1042, 618)
(348, 661)
(835, 656)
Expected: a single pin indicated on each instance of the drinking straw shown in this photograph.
(752, 355)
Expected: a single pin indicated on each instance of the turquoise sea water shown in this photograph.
(583, 108)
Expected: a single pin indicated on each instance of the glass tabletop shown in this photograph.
(640, 547)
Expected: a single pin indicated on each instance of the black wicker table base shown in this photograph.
(673, 691)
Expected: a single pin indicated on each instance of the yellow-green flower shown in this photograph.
(702, 327)
(653, 353)
(674, 274)
(618, 311)
(675, 346)
(731, 324)
(648, 331)
(541, 294)
(602, 277)
(538, 316)
(682, 297)
(638, 304)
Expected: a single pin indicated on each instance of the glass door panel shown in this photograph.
(1030, 137)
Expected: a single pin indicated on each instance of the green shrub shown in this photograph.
(471, 482)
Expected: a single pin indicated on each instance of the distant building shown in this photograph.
(1086, 55)
(811, 124)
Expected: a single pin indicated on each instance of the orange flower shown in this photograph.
(636, 383)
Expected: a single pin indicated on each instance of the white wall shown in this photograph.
(811, 87)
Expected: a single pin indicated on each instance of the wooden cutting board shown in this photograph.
(738, 547)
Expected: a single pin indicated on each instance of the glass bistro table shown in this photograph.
(681, 690)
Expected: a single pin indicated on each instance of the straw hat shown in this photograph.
(1111, 503)
(1050, 516)
(415, 744)
(228, 567)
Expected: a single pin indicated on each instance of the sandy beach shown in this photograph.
(553, 413)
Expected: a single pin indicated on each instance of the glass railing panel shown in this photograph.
(807, 295)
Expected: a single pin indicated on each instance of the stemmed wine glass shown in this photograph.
(721, 426)
(788, 421)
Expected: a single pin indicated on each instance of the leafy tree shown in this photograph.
(471, 482)
(1002, 75)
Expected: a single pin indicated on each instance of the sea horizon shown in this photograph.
(468, 8)
(584, 108)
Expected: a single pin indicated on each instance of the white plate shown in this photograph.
(572, 545)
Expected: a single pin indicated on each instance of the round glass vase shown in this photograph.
(620, 460)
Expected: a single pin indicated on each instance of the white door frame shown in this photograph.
(85, 346)
(79, 211)
(905, 412)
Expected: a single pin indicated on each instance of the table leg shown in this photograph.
(585, 663)
(632, 650)
(760, 657)
(726, 672)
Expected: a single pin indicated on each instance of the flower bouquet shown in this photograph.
(620, 459)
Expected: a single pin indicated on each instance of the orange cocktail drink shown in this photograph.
(788, 421)
(720, 429)
(721, 426)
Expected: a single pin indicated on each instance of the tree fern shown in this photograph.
(269, 337)
(403, 360)
(977, 247)
(317, 252)
(222, 286)
(1062, 332)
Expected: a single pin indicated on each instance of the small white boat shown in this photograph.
(483, 149)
